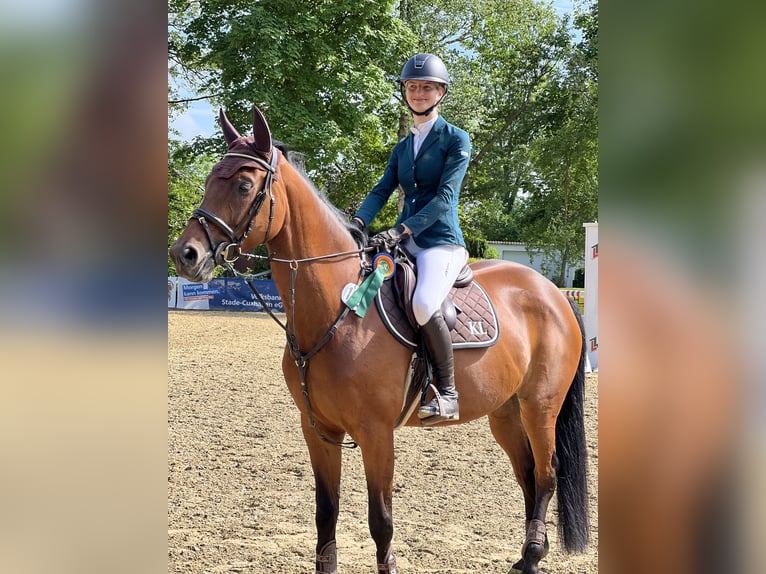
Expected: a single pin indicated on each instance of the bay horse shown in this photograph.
(346, 373)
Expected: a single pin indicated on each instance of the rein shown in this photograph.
(223, 256)
(301, 359)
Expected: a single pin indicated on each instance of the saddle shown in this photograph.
(467, 310)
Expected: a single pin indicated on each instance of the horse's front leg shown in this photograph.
(378, 455)
(326, 464)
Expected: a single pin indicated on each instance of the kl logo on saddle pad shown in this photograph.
(476, 328)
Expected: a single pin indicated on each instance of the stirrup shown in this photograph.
(436, 410)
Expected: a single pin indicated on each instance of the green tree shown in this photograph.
(562, 193)
(510, 59)
(187, 171)
(321, 71)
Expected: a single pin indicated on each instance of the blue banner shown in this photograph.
(229, 294)
(235, 294)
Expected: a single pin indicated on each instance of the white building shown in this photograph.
(515, 251)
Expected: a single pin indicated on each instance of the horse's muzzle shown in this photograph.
(192, 261)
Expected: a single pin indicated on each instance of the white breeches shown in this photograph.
(438, 267)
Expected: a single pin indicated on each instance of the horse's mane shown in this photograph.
(295, 159)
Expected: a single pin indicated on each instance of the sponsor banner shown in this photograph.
(235, 295)
(229, 294)
(192, 295)
(172, 292)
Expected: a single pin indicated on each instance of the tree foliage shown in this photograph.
(187, 171)
(321, 71)
(562, 192)
(533, 126)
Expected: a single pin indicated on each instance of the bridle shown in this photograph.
(226, 252)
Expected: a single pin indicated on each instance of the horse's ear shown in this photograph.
(229, 132)
(261, 133)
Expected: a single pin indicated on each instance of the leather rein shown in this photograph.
(226, 252)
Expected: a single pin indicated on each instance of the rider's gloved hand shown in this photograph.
(357, 222)
(391, 237)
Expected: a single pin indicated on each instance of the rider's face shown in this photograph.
(422, 94)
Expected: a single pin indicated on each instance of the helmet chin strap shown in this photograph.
(425, 113)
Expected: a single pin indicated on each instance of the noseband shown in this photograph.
(228, 251)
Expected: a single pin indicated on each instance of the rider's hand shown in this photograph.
(357, 222)
(391, 237)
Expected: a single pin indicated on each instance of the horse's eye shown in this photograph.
(245, 185)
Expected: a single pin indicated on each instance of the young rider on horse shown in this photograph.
(429, 164)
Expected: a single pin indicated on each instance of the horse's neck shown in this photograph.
(311, 230)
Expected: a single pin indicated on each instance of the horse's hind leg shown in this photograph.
(378, 455)
(509, 433)
(326, 464)
(539, 421)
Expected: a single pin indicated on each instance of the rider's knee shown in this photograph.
(423, 310)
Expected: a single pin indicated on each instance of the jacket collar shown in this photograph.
(432, 136)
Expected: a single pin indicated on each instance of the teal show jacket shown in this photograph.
(431, 184)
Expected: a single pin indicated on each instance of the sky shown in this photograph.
(200, 118)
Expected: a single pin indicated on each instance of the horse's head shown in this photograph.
(238, 210)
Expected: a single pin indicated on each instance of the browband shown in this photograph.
(258, 160)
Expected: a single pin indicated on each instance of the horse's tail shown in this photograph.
(571, 452)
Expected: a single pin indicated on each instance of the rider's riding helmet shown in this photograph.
(424, 67)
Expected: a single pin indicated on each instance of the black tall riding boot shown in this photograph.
(443, 407)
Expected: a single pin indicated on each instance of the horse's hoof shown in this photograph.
(533, 553)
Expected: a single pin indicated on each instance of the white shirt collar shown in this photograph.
(423, 129)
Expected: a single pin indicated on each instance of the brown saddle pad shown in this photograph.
(476, 324)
